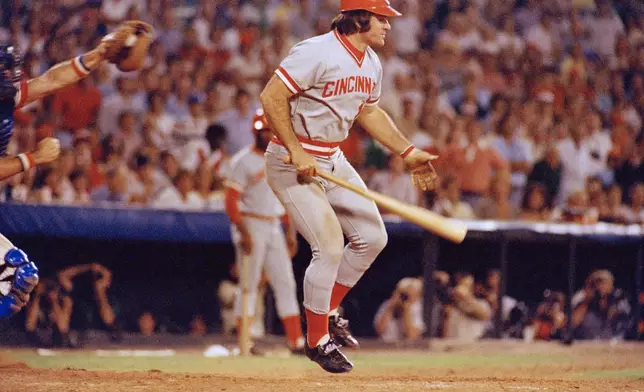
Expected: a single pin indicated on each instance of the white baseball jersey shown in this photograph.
(247, 175)
(333, 81)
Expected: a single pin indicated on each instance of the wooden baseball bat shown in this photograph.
(437, 224)
(243, 335)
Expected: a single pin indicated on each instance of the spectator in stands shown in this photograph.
(636, 211)
(473, 163)
(177, 105)
(46, 188)
(600, 311)
(513, 150)
(577, 209)
(547, 172)
(65, 166)
(85, 161)
(190, 136)
(77, 107)
(116, 188)
(629, 165)
(78, 179)
(127, 135)
(450, 204)
(575, 158)
(159, 123)
(534, 206)
(401, 316)
(209, 189)
(497, 205)
(606, 27)
(599, 145)
(125, 99)
(238, 123)
(394, 182)
(143, 182)
(181, 196)
(169, 33)
(615, 211)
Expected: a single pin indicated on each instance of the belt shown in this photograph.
(314, 147)
(260, 217)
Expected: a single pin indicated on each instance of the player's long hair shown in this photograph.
(352, 22)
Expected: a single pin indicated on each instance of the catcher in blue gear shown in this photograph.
(126, 48)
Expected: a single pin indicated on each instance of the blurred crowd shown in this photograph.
(465, 307)
(535, 108)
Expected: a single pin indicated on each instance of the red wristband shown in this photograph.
(407, 151)
(26, 160)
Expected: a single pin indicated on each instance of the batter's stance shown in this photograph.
(18, 275)
(318, 91)
(256, 214)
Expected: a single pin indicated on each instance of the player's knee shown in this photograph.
(331, 254)
(379, 241)
(331, 249)
(369, 243)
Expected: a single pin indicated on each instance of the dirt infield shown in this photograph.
(482, 368)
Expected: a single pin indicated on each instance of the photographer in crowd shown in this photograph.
(600, 311)
(550, 319)
(401, 316)
(76, 300)
(466, 315)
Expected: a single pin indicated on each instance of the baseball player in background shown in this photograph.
(318, 91)
(18, 275)
(256, 216)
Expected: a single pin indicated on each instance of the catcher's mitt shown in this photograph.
(127, 47)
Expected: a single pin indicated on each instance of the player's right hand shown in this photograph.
(48, 151)
(304, 163)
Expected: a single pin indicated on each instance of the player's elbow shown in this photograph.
(274, 94)
(265, 97)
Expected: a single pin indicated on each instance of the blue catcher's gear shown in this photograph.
(22, 282)
(16, 257)
(10, 75)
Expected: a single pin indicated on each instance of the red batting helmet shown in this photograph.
(379, 7)
(259, 121)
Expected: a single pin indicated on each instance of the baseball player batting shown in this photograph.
(19, 275)
(320, 89)
(257, 233)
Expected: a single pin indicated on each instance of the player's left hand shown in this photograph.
(419, 164)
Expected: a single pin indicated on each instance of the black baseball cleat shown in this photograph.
(329, 357)
(339, 331)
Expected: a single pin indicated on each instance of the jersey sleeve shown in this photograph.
(22, 94)
(374, 97)
(302, 68)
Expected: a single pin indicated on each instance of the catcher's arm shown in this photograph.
(47, 151)
(126, 47)
(382, 128)
(64, 74)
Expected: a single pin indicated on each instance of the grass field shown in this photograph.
(488, 366)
